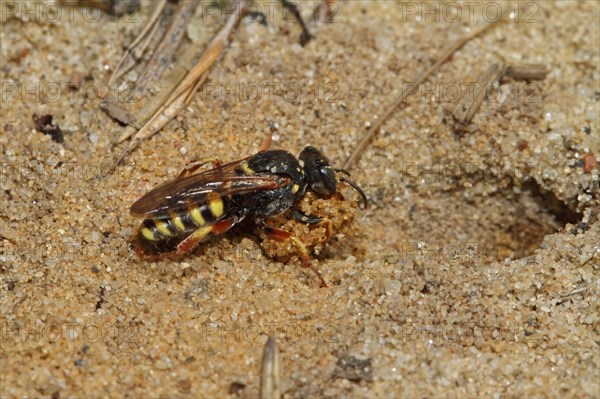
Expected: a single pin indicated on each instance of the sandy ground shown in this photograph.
(474, 271)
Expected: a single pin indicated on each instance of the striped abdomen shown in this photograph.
(173, 225)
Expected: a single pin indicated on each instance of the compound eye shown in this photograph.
(327, 183)
(320, 176)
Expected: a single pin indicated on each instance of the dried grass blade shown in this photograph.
(135, 50)
(364, 142)
(182, 94)
(269, 379)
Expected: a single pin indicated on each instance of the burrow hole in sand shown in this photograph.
(510, 223)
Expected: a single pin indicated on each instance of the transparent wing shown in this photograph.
(178, 195)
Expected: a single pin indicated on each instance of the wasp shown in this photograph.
(183, 212)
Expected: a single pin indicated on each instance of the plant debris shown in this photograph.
(43, 123)
(236, 388)
(113, 7)
(589, 163)
(493, 75)
(353, 369)
(269, 378)
(445, 56)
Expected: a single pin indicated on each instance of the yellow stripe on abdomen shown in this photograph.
(162, 228)
(147, 233)
(173, 224)
(178, 222)
(216, 206)
(246, 168)
(197, 216)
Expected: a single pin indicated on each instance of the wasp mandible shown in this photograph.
(181, 213)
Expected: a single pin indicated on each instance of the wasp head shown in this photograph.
(320, 175)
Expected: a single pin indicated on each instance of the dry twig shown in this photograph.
(136, 48)
(466, 108)
(527, 71)
(153, 103)
(183, 93)
(162, 57)
(269, 378)
(364, 142)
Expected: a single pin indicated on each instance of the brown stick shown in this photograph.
(212, 52)
(182, 95)
(364, 142)
(152, 104)
(136, 49)
(269, 376)
(161, 59)
(527, 71)
(464, 112)
(466, 108)
(153, 71)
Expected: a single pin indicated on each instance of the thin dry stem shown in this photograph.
(269, 378)
(136, 48)
(368, 137)
(466, 108)
(527, 71)
(162, 57)
(182, 95)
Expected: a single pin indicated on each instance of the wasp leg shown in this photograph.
(142, 255)
(314, 219)
(192, 241)
(148, 257)
(194, 165)
(285, 236)
(338, 196)
(266, 142)
(305, 36)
